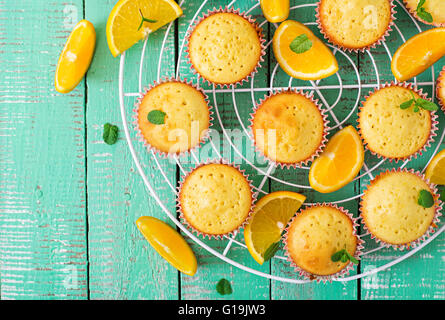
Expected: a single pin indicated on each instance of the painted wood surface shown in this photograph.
(68, 202)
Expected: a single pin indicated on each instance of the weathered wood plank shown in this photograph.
(43, 250)
(122, 264)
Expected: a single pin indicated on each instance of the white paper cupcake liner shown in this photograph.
(322, 143)
(347, 269)
(141, 137)
(260, 36)
(379, 41)
(199, 232)
(431, 228)
(434, 122)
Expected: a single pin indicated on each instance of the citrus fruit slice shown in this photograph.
(316, 63)
(169, 244)
(275, 10)
(76, 57)
(271, 215)
(339, 163)
(124, 27)
(435, 171)
(418, 54)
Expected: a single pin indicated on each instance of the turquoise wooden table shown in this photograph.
(68, 201)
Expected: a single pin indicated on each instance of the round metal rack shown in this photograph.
(267, 173)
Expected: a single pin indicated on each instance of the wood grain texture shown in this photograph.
(42, 157)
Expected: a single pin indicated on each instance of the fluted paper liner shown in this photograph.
(141, 137)
(441, 85)
(379, 41)
(323, 140)
(434, 122)
(413, 12)
(431, 229)
(254, 196)
(260, 36)
(343, 272)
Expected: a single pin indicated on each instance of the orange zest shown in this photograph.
(339, 163)
(76, 57)
(275, 10)
(316, 63)
(418, 54)
(169, 244)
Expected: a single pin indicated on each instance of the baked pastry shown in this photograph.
(441, 89)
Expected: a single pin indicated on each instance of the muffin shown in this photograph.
(441, 89)
(225, 47)
(187, 117)
(392, 132)
(315, 235)
(391, 212)
(215, 199)
(355, 24)
(435, 7)
(289, 128)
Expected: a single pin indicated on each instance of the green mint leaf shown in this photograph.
(110, 133)
(143, 19)
(407, 104)
(223, 287)
(420, 4)
(338, 255)
(156, 117)
(344, 258)
(427, 105)
(422, 13)
(271, 251)
(301, 44)
(416, 108)
(352, 258)
(425, 199)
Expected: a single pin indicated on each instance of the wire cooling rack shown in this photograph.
(267, 173)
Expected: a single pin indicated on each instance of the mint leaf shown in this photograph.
(352, 258)
(338, 255)
(344, 258)
(422, 13)
(407, 104)
(271, 251)
(420, 4)
(301, 44)
(156, 117)
(427, 105)
(223, 287)
(110, 133)
(425, 199)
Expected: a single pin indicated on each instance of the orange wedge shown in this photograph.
(418, 54)
(271, 215)
(169, 244)
(339, 163)
(275, 10)
(436, 169)
(316, 63)
(76, 57)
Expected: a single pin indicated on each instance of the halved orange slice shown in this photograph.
(316, 63)
(418, 54)
(339, 163)
(435, 171)
(275, 10)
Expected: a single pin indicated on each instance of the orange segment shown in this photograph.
(169, 244)
(125, 19)
(418, 54)
(339, 163)
(436, 169)
(316, 63)
(76, 57)
(275, 10)
(271, 215)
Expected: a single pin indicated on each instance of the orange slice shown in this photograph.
(125, 19)
(169, 244)
(436, 169)
(76, 57)
(275, 10)
(418, 54)
(339, 163)
(316, 63)
(271, 215)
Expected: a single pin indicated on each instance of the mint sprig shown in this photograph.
(344, 256)
(143, 19)
(271, 251)
(223, 287)
(422, 13)
(425, 199)
(156, 117)
(110, 133)
(419, 104)
(301, 44)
